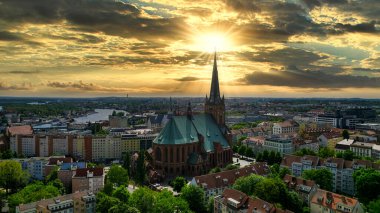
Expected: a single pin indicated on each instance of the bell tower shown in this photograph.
(214, 104)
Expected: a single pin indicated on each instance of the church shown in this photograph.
(192, 144)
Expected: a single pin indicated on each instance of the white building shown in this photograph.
(285, 127)
(277, 144)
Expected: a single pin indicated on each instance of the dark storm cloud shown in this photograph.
(362, 27)
(290, 18)
(110, 17)
(8, 36)
(285, 56)
(294, 77)
(366, 70)
(188, 78)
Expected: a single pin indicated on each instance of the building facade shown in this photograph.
(81, 202)
(279, 144)
(341, 169)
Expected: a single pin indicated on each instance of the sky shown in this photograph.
(265, 48)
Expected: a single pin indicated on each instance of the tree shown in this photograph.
(167, 203)
(348, 155)
(7, 154)
(127, 162)
(123, 208)
(259, 157)
(104, 202)
(242, 149)
(178, 183)
(345, 134)
(323, 177)
(108, 188)
(53, 175)
(141, 171)
(283, 171)
(33, 192)
(247, 184)
(367, 183)
(194, 196)
(265, 155)
(271, 189)
(235, 149)
(374, 206)
(118, 175)
(325, 152)
(210, 205)
(293, 202)
(11, 175)
(230, 167)
(143, 199)
(249, 152)
(121, 193)
(215, 170)
(302, 131)
(272, 158)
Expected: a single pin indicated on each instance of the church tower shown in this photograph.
(215, 104)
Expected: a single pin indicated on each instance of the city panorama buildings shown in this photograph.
(192, 144)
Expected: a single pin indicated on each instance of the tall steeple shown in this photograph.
(214, 91)
(215, 104)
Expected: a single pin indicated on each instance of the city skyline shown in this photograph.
(293, 48)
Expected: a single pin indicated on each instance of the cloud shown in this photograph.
(107, 16)
(286, 56)
(91, 87)
(295, 77)
(23, 72)
(8, 36)
(23, 86)
(188, 78)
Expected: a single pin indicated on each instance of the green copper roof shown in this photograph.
(182, 130)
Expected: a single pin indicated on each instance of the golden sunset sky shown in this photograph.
(266, 48)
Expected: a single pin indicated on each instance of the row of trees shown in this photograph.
(325, 152)
(228, 167)
(271, 157)
(120, 200)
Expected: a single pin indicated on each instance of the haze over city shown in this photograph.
(292, 48)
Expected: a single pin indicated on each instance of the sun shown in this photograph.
(213, 41)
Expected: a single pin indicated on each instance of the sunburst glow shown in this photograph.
(210, 42)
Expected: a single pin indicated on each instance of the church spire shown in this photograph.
(214, 91)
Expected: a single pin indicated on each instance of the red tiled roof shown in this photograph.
(227, 178)
(20, 130)
(292, 182)
(54, 160)
(83, 172)
(236, 195)
(330, 200)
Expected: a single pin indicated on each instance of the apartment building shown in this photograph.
(285, 127)
(235, 201)
(90, 148)
(83, 202)
(325, 201)
(304, 188)
(341, 169)
(214, 184)
(88, 179)
(283, 145)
